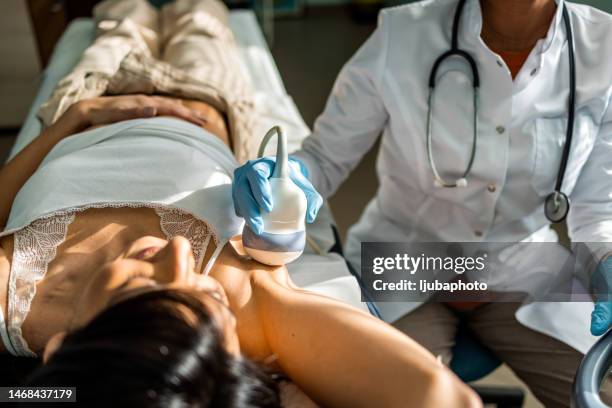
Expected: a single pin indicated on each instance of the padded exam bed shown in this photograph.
(317, 270)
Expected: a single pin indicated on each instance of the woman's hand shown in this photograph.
(111, 109)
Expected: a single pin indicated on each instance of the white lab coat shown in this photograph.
(383, 88)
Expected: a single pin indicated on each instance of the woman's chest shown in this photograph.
(97, 236)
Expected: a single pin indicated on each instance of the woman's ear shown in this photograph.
(54, 343)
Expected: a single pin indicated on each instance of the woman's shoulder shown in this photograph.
(415, 23)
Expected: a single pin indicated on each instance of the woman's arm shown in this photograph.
(5, 268)
(342, 357)
(18, 170)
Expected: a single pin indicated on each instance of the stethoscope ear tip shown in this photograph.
(462, 182)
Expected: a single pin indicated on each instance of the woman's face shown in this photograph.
(150, 264)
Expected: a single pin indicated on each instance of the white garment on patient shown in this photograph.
(181, 171)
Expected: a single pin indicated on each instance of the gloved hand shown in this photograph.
(601, 318)
(251, 190)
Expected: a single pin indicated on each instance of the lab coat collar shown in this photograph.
(473, 18)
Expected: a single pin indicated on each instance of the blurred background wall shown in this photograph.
(605, 5)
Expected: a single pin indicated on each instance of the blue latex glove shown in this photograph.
(251, 190)
(601, 318)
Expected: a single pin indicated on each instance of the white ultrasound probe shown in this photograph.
(284, 228)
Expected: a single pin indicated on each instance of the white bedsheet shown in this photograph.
(325, 274)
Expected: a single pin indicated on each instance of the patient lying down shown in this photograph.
(177, 336)
(124, 304)
(117, 264)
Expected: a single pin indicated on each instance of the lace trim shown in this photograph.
(175, 222)
(36, 246)
(128, 204)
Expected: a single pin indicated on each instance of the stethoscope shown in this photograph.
(557, 204)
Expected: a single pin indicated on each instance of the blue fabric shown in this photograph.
(251, 190)
(471, 360)
(601, 318)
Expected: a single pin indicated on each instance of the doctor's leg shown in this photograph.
(432, 325)
(545, 364)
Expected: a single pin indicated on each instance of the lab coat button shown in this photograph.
(478, 233)
(500, 129)
(500, 63)
(533, 71)
(491, 188)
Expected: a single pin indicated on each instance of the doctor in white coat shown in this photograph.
(521, 50)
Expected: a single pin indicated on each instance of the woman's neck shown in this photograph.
(515, 25)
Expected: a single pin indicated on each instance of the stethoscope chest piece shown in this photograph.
(556, 206)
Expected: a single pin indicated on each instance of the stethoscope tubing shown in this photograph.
(571, 101)
(560, 201)
(439, 180)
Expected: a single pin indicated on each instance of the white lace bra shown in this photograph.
(35, 247)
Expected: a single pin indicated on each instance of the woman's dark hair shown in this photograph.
(148, 352)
